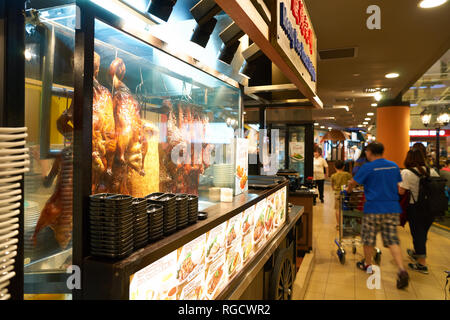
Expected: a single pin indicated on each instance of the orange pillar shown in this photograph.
(393, 125)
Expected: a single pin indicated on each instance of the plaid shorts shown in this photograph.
(386, 223)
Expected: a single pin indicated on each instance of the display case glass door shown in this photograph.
(48, 209)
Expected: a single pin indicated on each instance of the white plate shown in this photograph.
(14, 151)
(13, 164)
(9, 236)
(7, 263)
(14, 199)
(9, 243)
(7, 251)
(4, 284)
(13, 172)
(15, 158)
(8, 222)
(9, 228)
(7, 209)
(9, 186)
(6, 270)
(12, 144)
(8, 137)
(7, 276)
(11, 179)
(9, 214)
(10, 193)
(13, 130)
(8, 257)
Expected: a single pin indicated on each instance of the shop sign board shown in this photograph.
(428, 133)
(292, 35)
(202, 268)
(241, 169)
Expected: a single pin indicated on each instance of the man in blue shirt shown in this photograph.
(380, 179)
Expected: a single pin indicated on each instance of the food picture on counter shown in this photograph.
(231, 235)
(233, 230)
(247, 220)
(194, 289)
(241, 171)
(247, 247)
(191, 260)
(270, 212)
(215, 246)
(258, 232)
(214, 281)
(233, 261)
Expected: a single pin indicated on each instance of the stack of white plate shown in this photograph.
(223, 175)
(14, 162)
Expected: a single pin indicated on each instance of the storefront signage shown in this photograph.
(428, 133)
(294, 36)
(202, 268)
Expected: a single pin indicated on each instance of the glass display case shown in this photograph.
(48, 209)
(174, 124)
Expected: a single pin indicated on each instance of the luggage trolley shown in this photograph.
(351, 211)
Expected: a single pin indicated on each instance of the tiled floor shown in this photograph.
(331, 280)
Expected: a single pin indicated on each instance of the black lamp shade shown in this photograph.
(162, 8)
(203, 32)
(228, 52)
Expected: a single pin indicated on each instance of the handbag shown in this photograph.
(404, 204)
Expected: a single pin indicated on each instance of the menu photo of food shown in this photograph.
(247, 220)
(233, 230)
(269, 219)
(241, 168)
(259, 224)
(193, 290)
(279, 210)
(215, 243)
(233, 260)
(190, 260)
(215, 278)
(247, 247)
(156, 281)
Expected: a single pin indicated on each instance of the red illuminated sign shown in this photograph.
(301, 18)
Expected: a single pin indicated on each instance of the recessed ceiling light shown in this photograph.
(367, 119)
(322, 127)
(360, 125)
(374, 104)
(378, 96)
(316, 124)
(370, 114)
(392, 75)
(365, 122)
(425, 4)
(329, 128)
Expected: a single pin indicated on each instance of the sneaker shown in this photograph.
(402, 279)
(361, 265)
(418, 267)
(411, 254)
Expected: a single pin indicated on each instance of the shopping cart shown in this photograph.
(351, 211)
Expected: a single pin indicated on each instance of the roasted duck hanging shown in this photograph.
(131, 130)
(103, 134)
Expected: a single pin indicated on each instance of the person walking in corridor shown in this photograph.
(320, 171)
(380, 179)
(419, 219)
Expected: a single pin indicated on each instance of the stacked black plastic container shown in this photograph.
(167, 201)
(111, 226)
(140, 223)
(182, 211)
(155, 222)
(193, 209)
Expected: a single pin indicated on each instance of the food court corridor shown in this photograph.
(332, 281)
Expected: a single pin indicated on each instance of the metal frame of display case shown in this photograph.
(12, 102)
(84, 50)
(12, 107)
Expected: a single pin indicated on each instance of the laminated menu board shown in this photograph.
(241, 166)
(202, 268)
(190, 263)
(215, 278)
(297, 151)
(156, 281)
(259, 234)
(215, 243)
